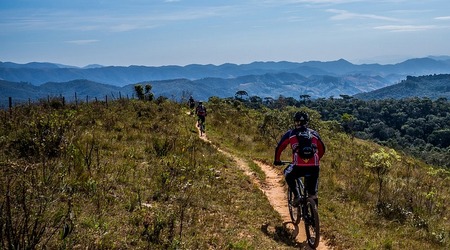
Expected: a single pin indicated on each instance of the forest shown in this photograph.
(417, 126)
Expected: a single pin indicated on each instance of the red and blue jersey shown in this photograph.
(200, 110)
(290, 138)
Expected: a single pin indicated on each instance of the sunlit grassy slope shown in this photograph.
(133, 174)
(409, 211)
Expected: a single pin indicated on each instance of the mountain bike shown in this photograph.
(201, 125)
(306, 210)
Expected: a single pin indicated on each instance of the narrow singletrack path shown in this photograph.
(274, 188)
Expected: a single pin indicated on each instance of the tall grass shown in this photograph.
(130, 174)
(404, 208)
(134, 174)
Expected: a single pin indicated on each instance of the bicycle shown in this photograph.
(306, 210)
(201, 125)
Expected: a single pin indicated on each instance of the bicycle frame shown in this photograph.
(306, 210)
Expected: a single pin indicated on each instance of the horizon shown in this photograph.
(447, 57)
(179, 32)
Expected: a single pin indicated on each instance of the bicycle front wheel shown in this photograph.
(202, 129)
(294, 211)
(312, 223)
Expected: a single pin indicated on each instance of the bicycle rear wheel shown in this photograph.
(312, 223)
(294, 211)
(202, 128)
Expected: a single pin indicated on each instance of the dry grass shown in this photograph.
(134, 174)
(413, 210)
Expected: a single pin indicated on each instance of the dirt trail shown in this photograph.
(273, 188)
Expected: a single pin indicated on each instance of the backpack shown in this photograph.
(305, 147)
(201, 110)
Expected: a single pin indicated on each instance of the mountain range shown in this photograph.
(264, 79)
(430, 86)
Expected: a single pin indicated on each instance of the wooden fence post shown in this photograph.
(10, 106)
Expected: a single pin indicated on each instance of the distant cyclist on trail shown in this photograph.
(191, 103)
(201, 113)
(307, 150)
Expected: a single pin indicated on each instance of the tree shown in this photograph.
(346, 97)
(139, 91)
(440, 138)
(305, 98)
(148, 94)
(380, 163)
(141, 95)
(347, 122)
(256, 99)
(273, 124)
(239, 95)
(268, 101)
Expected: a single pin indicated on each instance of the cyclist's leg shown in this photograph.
(290, 175)
(203, 121)
(312, 182)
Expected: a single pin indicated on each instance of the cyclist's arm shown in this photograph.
(319, 143)
(284, 142)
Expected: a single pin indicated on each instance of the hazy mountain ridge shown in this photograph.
(263, 79)
(39, 73)
(23, 92)
(267, 85)
(431, 86)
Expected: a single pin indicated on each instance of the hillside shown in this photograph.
(270, 85)
(121, 175)
(431, 86)
(362, 206)
(39, 73)
(267, 85)
(77, 89)
(260, 79)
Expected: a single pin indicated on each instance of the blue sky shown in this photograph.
(181, 32)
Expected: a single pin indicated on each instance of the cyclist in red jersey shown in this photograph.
(305, 158)
(201, 113)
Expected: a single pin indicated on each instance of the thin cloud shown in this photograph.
(192, 14)
(114, 22)
(442, 18)
(311, 1)
(124, 27)
(405, 28)
(83, 42)
(346, 15)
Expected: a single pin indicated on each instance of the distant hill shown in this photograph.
(264, 79)
(23, 92)
(267, 85)
(270, 85)
(39, 73)
(432, 86)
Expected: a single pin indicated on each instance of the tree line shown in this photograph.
(418, 126)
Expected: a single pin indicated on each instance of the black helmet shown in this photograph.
(200, 102)
(301, 117)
